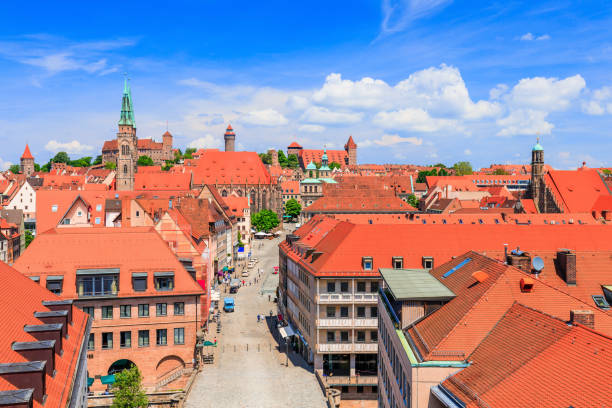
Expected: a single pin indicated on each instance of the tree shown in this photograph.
(46, 167)
(145, 161)
(413, 200)
(334, 165)
(443, 172)
(110, 165)
(607, 172)
(265, 158)
(169, 164)
(61, 157)
(178, 155)
(282, 159)
(462, 168)
(265, 220)
(240, 243)
(293, 208)
(15, 169)
(97, 161)
(128, 389)
(292, 161)
(82, 162)
(500, 172)
(36, 167)
(189, 153)
(440, 165)
(422, 177)
(29, 237)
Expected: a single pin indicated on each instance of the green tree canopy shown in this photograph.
(189, 153)
(128, 389)
(265, 220)
(293, 208)
(422, 177)
(169, 164)
(82, 162)
(110, 165)
(440, 165)
(462, 168)
(61, 157)
(36, 167)
(98, 160)
(29, 237)
(15, 168)
(145, 161)
(292, 161)
(442, 172)
(413, 200)
(265, 158)
(334, 165)
(282, 159)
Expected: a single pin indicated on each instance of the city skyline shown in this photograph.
(414, 82)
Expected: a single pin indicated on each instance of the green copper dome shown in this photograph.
(537, 147)
(127, 110)
(311, 166)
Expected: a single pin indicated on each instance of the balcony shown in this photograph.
(344, 297)
(347, 347)
(347, 323)
(335, 323)
(335, 298)
(335, 347)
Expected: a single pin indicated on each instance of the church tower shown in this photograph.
(127, 143)
(229, 137)
(27, 162)
(537, 173)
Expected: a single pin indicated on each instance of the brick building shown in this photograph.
(144, 304)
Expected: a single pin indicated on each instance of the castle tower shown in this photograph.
(273, 157)
(167, 146)
(127, 142)
(537, 173)
(229, 137)
(351, 150)
(27, 162)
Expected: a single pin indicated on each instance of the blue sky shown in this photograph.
(414, 81)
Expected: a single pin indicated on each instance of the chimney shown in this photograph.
(60, 305)
(566, 260)
(583, 317)
(520, 260)
(26, 375)
(38, 351)
(42, 332)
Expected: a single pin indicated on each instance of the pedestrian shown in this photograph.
(258, 317)
(215, 340)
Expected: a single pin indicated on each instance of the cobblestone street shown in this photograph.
(249, 369)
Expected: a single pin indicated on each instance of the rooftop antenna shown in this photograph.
(538, 264)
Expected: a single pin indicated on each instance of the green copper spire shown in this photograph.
(127, 110)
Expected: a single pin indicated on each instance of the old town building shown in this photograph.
(345, 158)
(144, 304)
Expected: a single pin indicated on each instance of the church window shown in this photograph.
(125, 169)
(125, 149)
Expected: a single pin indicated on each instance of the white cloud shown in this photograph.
(311, 128)
(547, 94)
(543, 37)
(527, 37)
(4, 165)
(69, 147)
(411, 120)
(264, 117)
(206, 142)
(390, 140)
(365, 93)
(498, 91)
(467, 152)
(318, 114)
(600, 102)
(524, 122)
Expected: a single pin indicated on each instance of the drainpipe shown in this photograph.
(411, 184)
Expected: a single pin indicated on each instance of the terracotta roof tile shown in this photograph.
(26, 153)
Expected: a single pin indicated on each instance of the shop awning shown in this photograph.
(89, 381)
(209, 344)
(108, 379)
(286, 331)
(225, 269)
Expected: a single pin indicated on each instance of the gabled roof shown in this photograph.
(20, 298)
(533, 359)
(217, 167)
(162, 181)
(454, 331)
(294, 145)
(306, 156)
(576, 190)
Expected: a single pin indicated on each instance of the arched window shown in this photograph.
(224, 193)
(125, 169)
(125, 149)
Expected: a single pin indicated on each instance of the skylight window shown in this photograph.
(601, 302)
(460, 265)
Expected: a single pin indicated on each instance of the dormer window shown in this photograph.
(164, 281)
(367, 263)
(398, 262)
(428, 262)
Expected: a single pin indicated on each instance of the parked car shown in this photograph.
(228, 304)
(245, 274)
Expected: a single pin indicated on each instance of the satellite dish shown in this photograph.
(537, 263)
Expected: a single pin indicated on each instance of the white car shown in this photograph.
(245, 274)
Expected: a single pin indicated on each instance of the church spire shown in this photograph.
(127, 110)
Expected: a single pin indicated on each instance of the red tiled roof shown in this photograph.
(531, 359)
(17, 311)
(197, 213)
(295, 144)
(26, 153)
(307, 156)
(446, 335)
(350, 143)
(215, 166)
(290, 187)
(529, 206)
(237, 204)
(576, 190)
(162, 181)
(61, 251)
(143, 144)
